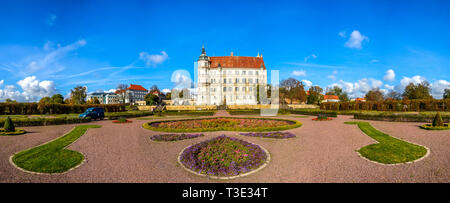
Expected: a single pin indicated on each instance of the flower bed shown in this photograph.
(16, 132)
(174, 137)
(222, 124)
(276, 135)
(431, 127)
(122, 120)
(223, 157)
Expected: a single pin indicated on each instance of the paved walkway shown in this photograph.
(220, 113)
(323, 151)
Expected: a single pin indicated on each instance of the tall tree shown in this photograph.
(45, 100)
(293, 89)
(314, 96)
(57, 99)
(343, 96)
(121, 91)
(374, 95)
(154, 88)
(394, 95)
(419, 91)
(151, 99)
(78, 95)
(446, 94)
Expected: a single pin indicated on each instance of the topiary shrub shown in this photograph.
(9, 125)
(437, 121)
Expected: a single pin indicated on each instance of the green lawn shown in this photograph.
(389, 150)
(53, 157)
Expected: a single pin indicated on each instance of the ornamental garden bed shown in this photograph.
(322, 118)
(222, 124)
(15, 132)
(223, 157)
(174, 137)
(275, 135)
(122, 120)
(446, 126)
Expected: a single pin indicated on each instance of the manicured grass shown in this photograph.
(52, 157)
(389, 150)
(222, 124)
(431, 127)
(17, 132)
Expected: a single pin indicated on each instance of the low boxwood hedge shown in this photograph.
(188, 113)
(127, 114)
(399, 117)
(295, 124)
(314, 112)
(431, 127)
(15, 132)
(45, 121)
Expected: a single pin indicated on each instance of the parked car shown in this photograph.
(94, 113)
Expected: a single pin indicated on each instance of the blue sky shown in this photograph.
(49, 47)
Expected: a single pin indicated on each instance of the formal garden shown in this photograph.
(228, 147)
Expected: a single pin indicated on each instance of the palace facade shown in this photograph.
(231, 80)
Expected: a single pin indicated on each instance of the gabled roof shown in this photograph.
(330, 97)
(236, 62)
(137, 87)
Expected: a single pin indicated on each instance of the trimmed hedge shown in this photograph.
(390, 105)
(38, 108)
(314, 112)
(45, 121)
(399, 117)
(253, 111)
(188, 113)
(446, 126)
(127, 114)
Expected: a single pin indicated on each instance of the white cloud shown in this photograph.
(342, 34)
(407, 80)
(165, 91)
(307, 83)
(389, 87)
(355, 40)
(32, 90)
(360, 88)
(389, 76)
(374, 61)
(438, 88)
(1, 82)
(299, 73)
(153, 59)
(310, 56)
(50, 60)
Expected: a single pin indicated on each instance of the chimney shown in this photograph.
(231, 54)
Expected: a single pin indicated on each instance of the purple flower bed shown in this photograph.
(223, 156)
(174, 137)
(277, 135)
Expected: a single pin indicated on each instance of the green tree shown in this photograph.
(151, 99)
(419, 91)
(293, 89)
(314, 96)
(10, 101)
(446, 94)
(45, 100)
(168, 96)
(343, 96)
(9, 125)
(394, 95)
(78, 95)
(437, 121)
(57, 99)
(374, 95)
(95, 101)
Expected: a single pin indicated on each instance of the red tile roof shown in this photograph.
(237, 62)
(330, 97)
(360, 99)
(137, 87)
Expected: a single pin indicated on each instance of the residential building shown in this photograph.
(330, 98)
(229, 79)
(132, 94)
(104, 98)
(358, 100)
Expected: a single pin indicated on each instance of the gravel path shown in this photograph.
(323, 151)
